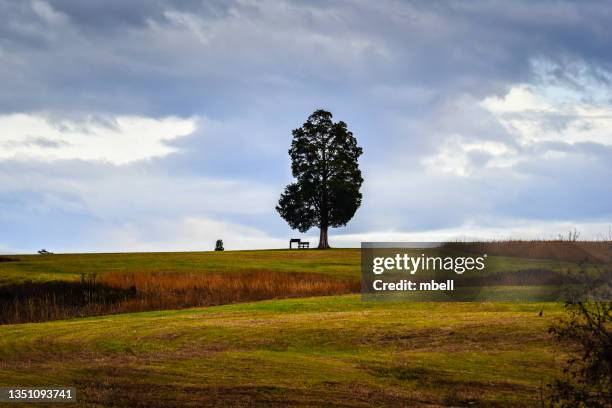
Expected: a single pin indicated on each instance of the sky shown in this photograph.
(153, 125)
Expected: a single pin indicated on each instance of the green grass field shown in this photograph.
(342, 263)
(326, 351)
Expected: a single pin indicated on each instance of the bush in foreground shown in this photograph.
(587, 332)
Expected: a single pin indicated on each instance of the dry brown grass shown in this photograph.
(176, 290)
(558, 250)
(117, 292)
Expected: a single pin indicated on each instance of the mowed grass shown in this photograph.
(327, 351)
(341, 263)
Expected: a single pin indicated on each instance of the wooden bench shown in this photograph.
(300, 244)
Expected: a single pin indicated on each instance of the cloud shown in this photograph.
(117, 140)
(76, 205)
(515, 229)
(539, 114)
(480, 114)
(538, 153)
(185, 234)
(47, 13)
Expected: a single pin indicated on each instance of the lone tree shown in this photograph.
(219, 245)
(324, 161)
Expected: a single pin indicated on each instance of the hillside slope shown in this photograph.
(333, 351)
(342, 263)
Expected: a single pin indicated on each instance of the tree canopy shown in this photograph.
(324, 161)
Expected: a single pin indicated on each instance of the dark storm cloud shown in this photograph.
(224, 57)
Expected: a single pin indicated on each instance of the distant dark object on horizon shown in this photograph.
(45, 252)
(301, 244)
(219, 245)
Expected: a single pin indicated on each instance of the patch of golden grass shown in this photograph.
(120, 292)
(168, 290)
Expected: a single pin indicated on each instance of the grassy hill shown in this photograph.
(337, 263)
(342, 263)
(309, 351)
(330, 351)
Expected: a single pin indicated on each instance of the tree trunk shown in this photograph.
(323, 244)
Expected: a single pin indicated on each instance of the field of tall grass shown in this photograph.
(118, 292)
(596, 252)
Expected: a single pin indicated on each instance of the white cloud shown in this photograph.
(454, 155)
(555, 113)
(186, 234)
(117, 140)
(47, 13)
(502, 230)
(109, 192)
(519, 99)
(533, 122)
